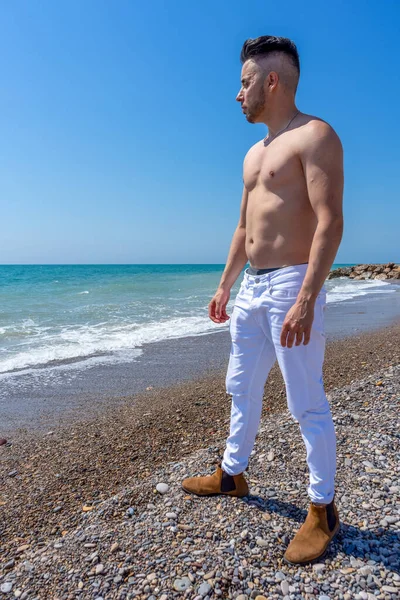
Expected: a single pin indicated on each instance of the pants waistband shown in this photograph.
(256, 272)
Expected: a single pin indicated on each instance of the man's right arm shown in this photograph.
(237, 258)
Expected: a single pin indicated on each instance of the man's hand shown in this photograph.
(217, 306)
(297, 325)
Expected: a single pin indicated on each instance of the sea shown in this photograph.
(77, 316)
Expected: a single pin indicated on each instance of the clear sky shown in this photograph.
(120, 137)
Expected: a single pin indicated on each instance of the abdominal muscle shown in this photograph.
(279, 229)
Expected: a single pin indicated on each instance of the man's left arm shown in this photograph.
(322, 160)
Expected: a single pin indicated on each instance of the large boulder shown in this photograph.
(340, 272)
(381, 276)
(360, 268)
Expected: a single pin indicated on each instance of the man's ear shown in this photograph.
(272, 80)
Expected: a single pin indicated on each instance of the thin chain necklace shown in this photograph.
(267, 138)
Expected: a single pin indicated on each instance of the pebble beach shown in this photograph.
(96, 511)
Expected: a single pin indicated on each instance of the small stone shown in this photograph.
(392, 519)
(22, 548)
(171, 515)
(209, 575)
(262, 543)
(390, 589)
(279, 576)
(18, 593)
(114, 547)
(86, 508)
(319, 567)
(242, 597)
(13, 473)
(9, 565)
(285, 587)
(99, 569)
(180, 585)
(261, 598)
(162, 488)
(6, 587)
(270, 455)
(323, 597)
(204, 589)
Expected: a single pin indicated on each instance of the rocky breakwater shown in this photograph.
(387, 271)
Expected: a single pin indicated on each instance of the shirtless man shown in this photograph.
(289, 230)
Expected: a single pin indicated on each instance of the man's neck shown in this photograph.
(280, 119)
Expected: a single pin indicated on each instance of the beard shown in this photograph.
(256, 108)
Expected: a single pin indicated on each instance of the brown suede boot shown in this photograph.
(217, 483)
(312, 539)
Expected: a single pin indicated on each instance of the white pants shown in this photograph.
(256, 324)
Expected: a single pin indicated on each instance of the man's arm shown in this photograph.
(237, 257)
(236, 260)
(322, 160)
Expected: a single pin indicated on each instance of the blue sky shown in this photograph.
(121, 141)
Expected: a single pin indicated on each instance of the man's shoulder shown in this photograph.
(314, 128)
(254, 148)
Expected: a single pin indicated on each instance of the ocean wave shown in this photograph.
(343, 288)
(80, 342)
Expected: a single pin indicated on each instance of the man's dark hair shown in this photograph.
(268, 44)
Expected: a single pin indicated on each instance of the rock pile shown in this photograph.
(387, 271)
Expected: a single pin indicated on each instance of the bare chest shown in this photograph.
(273, 167)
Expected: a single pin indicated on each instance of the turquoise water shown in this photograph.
(106, 313)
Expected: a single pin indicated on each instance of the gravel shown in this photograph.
(172, 545)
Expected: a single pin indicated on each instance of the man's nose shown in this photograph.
(239, 97)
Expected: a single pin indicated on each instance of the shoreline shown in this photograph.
(47, 399)
(113, 462)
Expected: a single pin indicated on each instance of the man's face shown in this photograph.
(252, 95)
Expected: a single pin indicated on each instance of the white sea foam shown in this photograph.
(81, 342)
(343, 288)
(85, 292)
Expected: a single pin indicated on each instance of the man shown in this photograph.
(289, 230)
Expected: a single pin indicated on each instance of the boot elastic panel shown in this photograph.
(330, 516)
(227, 483)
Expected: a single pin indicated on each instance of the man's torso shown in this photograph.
(280, 222)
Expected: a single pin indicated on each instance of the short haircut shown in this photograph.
(269, 44)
